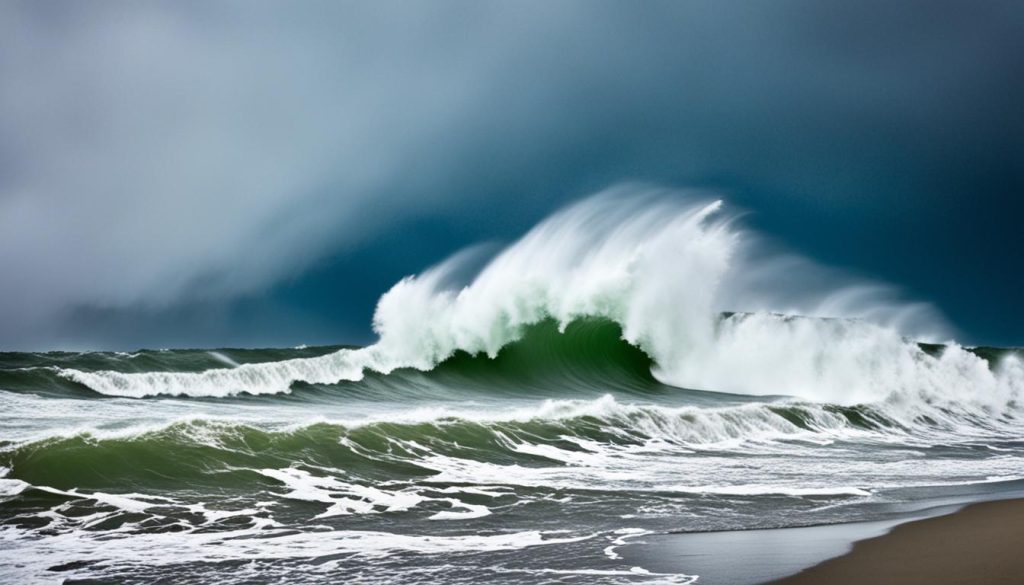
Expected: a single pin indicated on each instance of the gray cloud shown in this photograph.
(164, 153)
(155, 152)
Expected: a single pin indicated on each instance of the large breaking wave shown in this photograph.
(683, 283)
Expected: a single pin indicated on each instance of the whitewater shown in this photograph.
(637, 364)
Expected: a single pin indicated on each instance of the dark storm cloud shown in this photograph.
(167, 158)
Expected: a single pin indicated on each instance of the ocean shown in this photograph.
(611, 377)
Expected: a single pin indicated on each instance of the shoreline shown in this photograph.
(851, 552)
(979, 544)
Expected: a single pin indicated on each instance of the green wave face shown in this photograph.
(589, 354)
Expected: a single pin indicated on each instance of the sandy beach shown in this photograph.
(981, 544)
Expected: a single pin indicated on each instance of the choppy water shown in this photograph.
(582, 393)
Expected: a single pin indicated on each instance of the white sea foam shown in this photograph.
(125, 502)
(342, 497)
(25, 560)
(10, 487)
(707, 427)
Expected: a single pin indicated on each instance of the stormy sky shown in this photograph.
(258, 173)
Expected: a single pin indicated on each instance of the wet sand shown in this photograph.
(982, 544)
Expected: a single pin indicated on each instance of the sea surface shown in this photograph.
(584, 392)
